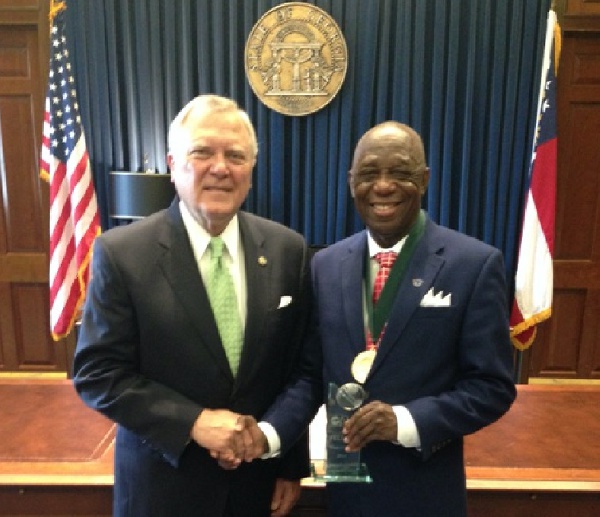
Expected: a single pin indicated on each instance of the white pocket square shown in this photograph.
(438, 299)
(284, 301)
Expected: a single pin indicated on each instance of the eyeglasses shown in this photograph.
(370, 176)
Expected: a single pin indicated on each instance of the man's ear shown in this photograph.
(351, 183)
(425, 181)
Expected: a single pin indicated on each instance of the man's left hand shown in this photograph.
(374, 421)
(285, 496)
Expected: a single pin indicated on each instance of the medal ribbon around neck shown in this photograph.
(378, 315)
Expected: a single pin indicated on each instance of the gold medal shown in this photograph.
(361, 366)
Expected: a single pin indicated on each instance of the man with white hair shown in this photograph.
(184, 381)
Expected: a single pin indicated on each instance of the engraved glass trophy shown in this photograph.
(342, 466)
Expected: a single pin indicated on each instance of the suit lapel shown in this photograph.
(181, 271)
(352, 271)
(418, 279)
(258, 285)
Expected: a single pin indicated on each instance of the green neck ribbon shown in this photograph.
(378, 315)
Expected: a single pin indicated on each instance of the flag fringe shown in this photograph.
(533, 320)
(557, 46)
(530, 322)
(520, 345)
(82, 279)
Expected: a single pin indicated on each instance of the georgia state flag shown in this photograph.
(534, 277)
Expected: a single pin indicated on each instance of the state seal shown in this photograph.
(296, 58)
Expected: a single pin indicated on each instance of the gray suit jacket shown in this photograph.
(150, 358)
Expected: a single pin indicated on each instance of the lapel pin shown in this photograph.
(417, 282)
(262, 261)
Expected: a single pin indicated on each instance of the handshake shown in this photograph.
(230, 437)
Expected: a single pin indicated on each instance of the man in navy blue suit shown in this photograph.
(433, 352)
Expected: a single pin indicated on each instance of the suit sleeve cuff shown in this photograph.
(272, 439)
(408, 435)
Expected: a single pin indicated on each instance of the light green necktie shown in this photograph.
(221, 293)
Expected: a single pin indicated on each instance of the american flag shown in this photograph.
(534, 277)
(64, 163)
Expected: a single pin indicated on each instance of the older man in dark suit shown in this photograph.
(431, 347)
(154, 353)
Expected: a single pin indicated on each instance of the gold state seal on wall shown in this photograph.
(296, 58)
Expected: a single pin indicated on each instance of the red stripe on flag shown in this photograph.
(543, 187)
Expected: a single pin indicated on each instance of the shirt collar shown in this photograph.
(200, 238)
(375, 248)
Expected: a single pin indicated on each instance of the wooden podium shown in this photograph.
(541, 459)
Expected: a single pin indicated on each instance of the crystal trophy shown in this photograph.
(342, 466)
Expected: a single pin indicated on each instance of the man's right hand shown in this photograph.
(254, 446)
(231, 438)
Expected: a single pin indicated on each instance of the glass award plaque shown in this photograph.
(341, 466)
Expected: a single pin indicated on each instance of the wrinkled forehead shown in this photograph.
(208, 121)
(230, 122)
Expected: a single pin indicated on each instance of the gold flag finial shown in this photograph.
(55, 7)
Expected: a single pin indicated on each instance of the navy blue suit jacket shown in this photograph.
(450, 366)
(150, 358)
